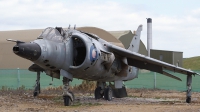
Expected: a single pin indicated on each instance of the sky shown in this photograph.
(175, 23)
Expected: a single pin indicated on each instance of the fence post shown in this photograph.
(18, 78)
(154, 80)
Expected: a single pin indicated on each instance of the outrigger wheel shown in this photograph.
(188, 99)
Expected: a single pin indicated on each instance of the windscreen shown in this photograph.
(51, 34)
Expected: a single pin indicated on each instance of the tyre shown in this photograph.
(36, 90)
(39, 88)
(119, 93)
(188, 99)
(97, 93)
(35, 94)
(108, 94)
(67, 100)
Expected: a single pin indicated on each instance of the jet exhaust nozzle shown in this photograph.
(30, 51)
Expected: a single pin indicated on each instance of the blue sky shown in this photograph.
(176, 23)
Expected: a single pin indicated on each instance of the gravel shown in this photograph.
(52, 100)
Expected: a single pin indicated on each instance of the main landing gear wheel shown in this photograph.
(97, 93)
(108, 94)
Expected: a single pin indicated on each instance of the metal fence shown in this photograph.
(15, 78)
(146, 80)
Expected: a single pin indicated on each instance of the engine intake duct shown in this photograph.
(79, 50)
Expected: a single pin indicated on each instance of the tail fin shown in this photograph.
(135, 42)
(134, 47)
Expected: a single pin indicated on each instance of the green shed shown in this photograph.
(172, 57)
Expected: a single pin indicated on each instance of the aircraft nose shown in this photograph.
(30, 51)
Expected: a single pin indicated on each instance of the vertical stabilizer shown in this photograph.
(135, 42)
(134, 47)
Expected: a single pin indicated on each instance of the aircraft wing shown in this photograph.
(145, 62)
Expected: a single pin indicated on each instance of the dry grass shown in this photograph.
(86, 86)
(192, 63)
(161, 94)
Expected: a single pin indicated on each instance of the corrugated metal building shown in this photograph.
(172, 57)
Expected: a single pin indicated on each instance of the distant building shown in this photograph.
(172, 57)
(125, 37)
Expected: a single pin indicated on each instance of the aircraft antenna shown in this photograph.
(69, 26)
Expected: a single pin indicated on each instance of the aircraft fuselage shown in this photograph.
(80, 55)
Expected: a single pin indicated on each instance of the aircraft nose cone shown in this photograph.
(30, 51)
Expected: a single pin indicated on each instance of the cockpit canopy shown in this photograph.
(52, 34)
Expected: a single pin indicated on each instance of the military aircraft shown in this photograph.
(89, 55)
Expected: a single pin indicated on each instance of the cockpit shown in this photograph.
(54, 34)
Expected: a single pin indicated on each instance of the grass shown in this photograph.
(5, 88)
(192, 63)
(158, 97)
(77, 104)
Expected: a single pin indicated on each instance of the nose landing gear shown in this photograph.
(68, 96)
(37, 85)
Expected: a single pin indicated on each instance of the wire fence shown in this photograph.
(146, 80)
(15, 78)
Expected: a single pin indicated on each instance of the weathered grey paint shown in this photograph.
(125, 37)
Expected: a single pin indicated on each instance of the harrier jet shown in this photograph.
(91, 53)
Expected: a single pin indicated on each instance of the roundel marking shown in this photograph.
(93, 53)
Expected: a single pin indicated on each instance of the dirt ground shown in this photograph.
(138, 100)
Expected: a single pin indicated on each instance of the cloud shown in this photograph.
(179, 33)
(36, 14)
